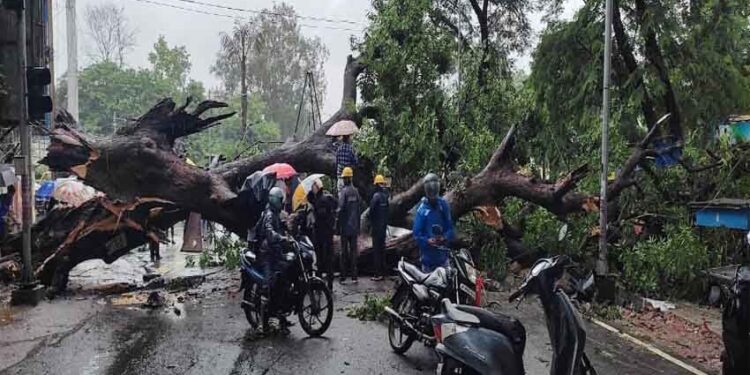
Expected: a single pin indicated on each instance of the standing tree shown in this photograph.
(110, 90)
(276, 69)
(108, 28)
(236, 50)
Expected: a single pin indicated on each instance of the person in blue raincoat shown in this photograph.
(433, 226)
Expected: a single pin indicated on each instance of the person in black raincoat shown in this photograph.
(273, 239)
(349, 210)
(324, 212)
(379, 225)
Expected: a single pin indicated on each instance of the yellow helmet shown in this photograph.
(347, 172)
(379, 179)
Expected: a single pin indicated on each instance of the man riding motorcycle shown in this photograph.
(271, 234)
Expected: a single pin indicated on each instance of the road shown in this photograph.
(209, 335)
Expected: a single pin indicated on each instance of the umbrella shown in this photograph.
(7, 175)
(300, 194)
(258, 184)
(283, 170)
(72, 192)
(343, 127)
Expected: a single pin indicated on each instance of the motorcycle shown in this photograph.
(467, 345)
(418, 296)
(736, 325)
(297, 290)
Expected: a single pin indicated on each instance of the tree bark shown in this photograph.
(656, 59)
(626, 52)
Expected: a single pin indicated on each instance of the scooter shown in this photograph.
(736, 325)
(466, 346)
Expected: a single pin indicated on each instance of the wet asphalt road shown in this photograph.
(210, 336)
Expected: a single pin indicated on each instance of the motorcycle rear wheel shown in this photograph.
(317, 302)
(399, 340)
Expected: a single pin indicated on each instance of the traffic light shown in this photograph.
(37, 78)
(13, 4)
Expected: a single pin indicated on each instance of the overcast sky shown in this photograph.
(200, 32)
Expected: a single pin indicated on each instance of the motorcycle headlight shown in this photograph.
(471, 273)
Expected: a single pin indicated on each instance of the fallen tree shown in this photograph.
(149, 187)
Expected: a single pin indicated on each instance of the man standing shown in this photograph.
(379, 224)
(433, 226)
(345, 157)
(324, 211)
(349, 204)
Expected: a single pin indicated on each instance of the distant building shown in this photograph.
(736, 128)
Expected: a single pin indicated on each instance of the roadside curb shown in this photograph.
(653, 349)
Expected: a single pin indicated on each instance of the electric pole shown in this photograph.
(602, 267)
(243, 82)
(72, 58)
(28, 293)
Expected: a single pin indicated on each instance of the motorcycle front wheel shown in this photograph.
(399, 339)
(315, 311)
(254, 312)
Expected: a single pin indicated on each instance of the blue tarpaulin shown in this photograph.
(45, 190)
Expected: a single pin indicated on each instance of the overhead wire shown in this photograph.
(236, 17)
(272, 13)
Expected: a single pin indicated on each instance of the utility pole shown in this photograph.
(243, 78)
(72, 58)
(28, 293)
(602, 267)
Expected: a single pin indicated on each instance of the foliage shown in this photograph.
(225, 252)
(281, 56)
(373, 308)
(486, 242)
(606, 311)
(110, 94)
(668, 264)
(228, 139)
(108, 29)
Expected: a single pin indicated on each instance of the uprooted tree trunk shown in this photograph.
(137, 166)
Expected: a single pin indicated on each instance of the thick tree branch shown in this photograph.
(626, 52)
(654, 55)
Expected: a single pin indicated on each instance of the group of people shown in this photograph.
(324, 216)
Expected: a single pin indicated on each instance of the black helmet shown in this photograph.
(431, 185)
(276, 198)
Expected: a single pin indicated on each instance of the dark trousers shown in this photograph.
(349, 253)
(378, 252)
(154, 250)
(324, 253)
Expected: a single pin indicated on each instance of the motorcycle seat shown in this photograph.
(501, 323)
(415, 272)
(457, 315)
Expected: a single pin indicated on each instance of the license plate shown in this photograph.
(469, 291)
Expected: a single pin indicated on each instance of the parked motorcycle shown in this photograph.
(736, 325)
(418, 296)
(467, 345)
(297, 290)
